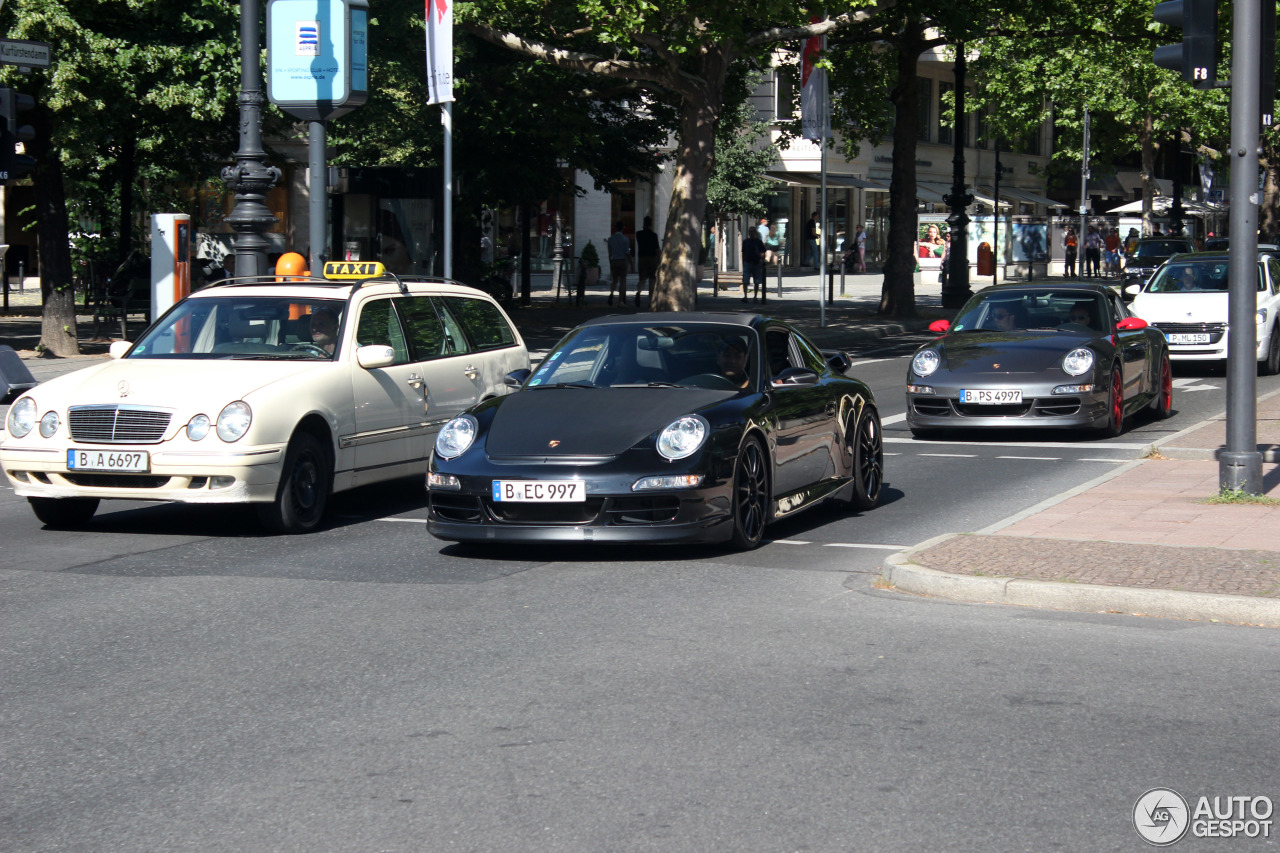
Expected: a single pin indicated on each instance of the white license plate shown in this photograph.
(129, 461)
(992, 396)
(540, 491)
(1188, 339)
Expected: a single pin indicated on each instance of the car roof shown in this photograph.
(652, 317)
(314, 287)
(1210, 257)
(1033, 286)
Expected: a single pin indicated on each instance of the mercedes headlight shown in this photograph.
(682, 437)
(234, 420)
(22, 417)
(1078, 361)
(49, 424)
(457, 435)
(925, 362)
(198, 427)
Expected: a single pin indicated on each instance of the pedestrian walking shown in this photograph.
(1092, 253)
(1111, 243)
(619, 245)
(648, 251)
(860, 243)
(812, 239)
(1069, 247)
(945, 273)
(752, 264)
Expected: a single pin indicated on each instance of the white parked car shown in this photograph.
(1187, 300)
(264, 391)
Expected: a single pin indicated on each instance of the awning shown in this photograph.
(1028, 197)
(814, 179)
(1162, 204)
(943, 190)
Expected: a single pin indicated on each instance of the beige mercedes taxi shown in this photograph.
(264, 391)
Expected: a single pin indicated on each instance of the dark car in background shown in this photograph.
(1149, 254)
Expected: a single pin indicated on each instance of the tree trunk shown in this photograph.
(897, 294)
(127, 172)
(675, 287)
(58, 318)
(1146, 143)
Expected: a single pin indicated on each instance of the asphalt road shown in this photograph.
(175, 680)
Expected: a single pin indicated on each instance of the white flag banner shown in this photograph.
(439, 51)
(813, 88)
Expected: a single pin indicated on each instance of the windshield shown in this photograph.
(246, 327)
(1036, 310)
(1194, 277)
(1162, 248)
(631, 355)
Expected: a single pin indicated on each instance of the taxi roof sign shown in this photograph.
(353, 269)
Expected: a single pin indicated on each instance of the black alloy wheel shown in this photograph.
(64, 513)
(304, 488)
(864, 442)
(750, 496)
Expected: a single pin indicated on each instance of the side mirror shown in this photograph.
(372, 356)
(940, 326)
(1131, 324)
(118, 348)
(795, 377)
(837, 361)
(1133, 289)
(516, 378)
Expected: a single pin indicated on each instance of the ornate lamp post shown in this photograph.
(250, 178)
(957, 291)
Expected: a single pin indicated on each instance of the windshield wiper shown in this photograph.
(647, 385)
(565, 385)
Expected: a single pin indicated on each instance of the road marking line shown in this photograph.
(893, 419)
(791, 542)
(956, 455)
(865, 545)
(406, 520)
(868, 361)
(1037, 458)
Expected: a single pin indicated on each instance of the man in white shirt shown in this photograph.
(619, 245)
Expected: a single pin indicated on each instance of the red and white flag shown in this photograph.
(813, 90)
(439, 51)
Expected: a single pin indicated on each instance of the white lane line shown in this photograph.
(869, 361)
(954, 455)
(791, 542)
(1048, 445)
(406, 520)
(893, 454)
(893, 419)
(1037, 458)
(865, 545)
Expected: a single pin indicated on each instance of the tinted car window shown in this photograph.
(379, 325)
(426, 333)
(482, 322)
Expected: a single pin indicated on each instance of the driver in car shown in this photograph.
(324, 329)
(731, 359)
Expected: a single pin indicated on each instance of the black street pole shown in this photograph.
(250, 178)
(1177, 219)
(995, 218)
(1240, 463)
(957, 291)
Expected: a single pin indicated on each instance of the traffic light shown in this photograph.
(12, 164)
(1197, 56)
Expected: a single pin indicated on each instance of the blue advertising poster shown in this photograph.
(307, 52)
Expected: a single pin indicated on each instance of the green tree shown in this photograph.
(738, 185)
(679, 53)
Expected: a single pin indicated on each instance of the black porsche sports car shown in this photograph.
(1053, 355)
(662, 427)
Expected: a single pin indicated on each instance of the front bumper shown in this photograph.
(1040, 407)
(612, 512)
(1216, 349)
(244, 475)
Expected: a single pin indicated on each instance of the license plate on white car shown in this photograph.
(1188, 339)
(991, 396)
(127, 461)
(540, 491)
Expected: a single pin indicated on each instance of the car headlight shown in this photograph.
(22, 417)
(457, 435)
(49, 424)
(925, 362)
(1077, 361)
(234, 420)
(682, 437)
(198, 427)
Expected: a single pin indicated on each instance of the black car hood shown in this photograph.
(588, 421)
(1010, 352)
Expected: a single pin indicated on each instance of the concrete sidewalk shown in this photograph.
(1141, 539)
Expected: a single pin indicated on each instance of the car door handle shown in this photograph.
(470, 371)
(414, 380)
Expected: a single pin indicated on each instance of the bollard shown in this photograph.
(842, 278)
(22, 277)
